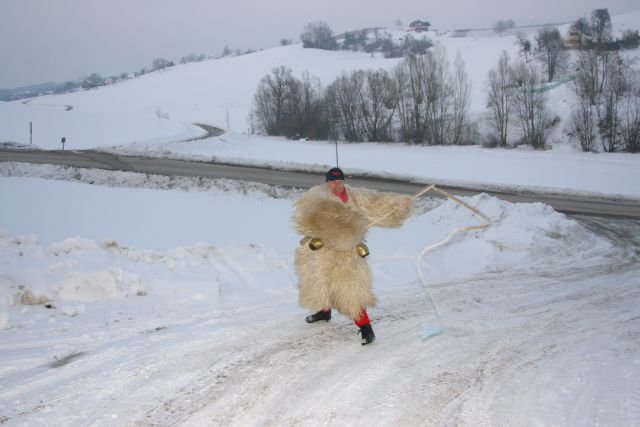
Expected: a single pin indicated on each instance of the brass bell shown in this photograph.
(362, 250)
(304, 240)
(315, 244)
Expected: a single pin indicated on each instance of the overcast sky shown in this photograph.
(61, 40)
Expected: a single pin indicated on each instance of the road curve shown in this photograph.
(573, 204)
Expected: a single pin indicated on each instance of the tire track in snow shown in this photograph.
(223, 392)
(552, 328)
(275, 370)
(287, 374)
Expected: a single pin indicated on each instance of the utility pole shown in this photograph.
(30, 133)
(63, 140)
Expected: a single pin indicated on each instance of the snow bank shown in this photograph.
(76, 276)
(520, 236)
(143, 180)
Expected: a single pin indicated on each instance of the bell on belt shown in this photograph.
(315, 244)
(362, 250)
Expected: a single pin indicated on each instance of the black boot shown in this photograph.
(321, 315)
(367, 334)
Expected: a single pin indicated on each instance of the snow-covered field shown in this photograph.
(129, 299)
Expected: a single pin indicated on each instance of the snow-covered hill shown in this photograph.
(220, 92)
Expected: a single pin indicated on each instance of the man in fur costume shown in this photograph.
(330, 261)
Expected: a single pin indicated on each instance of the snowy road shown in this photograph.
(507, 355)
(564, 202)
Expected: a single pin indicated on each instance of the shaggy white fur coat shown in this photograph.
(335, 275)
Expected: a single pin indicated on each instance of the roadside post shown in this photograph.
(30, 133)
(63, 140)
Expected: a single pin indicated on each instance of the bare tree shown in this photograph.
(530, 105)
(341, 98)
(524, 45)
(583, 26)
(606, 88)
(304, 109)
(587, 86)
(601, 25)
(500, 93)
(630, 122)
(411, 103)
(192, 57)
(591, 67)
(314, 111)
(378, 105)
(318, 35)
(616, 84)
(270, 100)
(363, 103)
(161, 64)
(437, 93)
(550, 50)
(630, 39)
(502, 26)
(583, 124)
(499, 27)
(460, 127)
(432, 102)
(93, 80)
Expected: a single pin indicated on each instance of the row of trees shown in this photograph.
(423, 101)
(514, 97)
(549, 46)
(605, 84)
(291, 107)
(502, 26)
(94, 80)
(607, 113)
(548, 49)
(318, 35)
(598, 26)
(607, 89)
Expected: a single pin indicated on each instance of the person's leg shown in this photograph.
(324, 314)
(365, 328)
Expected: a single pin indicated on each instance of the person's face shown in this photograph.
(336, 186)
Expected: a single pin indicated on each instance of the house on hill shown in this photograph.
(576, 39)
(419, 26)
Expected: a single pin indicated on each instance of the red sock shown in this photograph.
(363, 320)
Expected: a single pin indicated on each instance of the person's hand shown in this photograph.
(406, 202)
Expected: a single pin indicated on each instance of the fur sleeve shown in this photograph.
(338, 227)
(375, 205)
